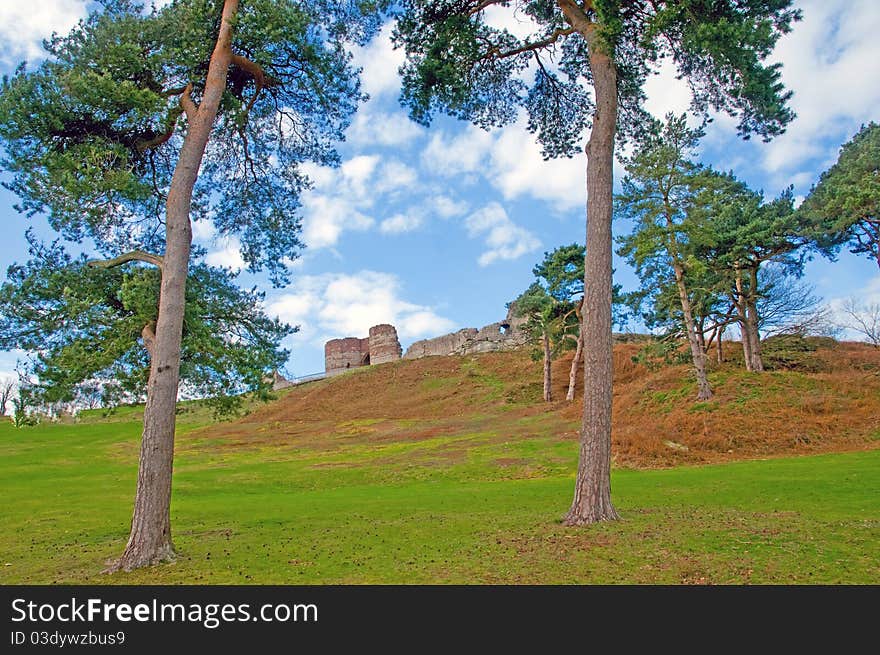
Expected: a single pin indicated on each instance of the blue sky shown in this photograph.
(436, 229)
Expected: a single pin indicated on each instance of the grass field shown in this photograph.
(449, 507)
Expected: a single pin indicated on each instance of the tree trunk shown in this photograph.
(719, 351)
(150, 538)
(698, 355)
(592, 493)
(545, 341)
(757, 363)
(742, 319)
(701, 338)
(752, 321)
(578, 353)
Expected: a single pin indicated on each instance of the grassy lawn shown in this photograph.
(459, 508)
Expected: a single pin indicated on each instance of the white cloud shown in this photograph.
(203, 230)
(327, 217)
(511, 161)
(517, 23)
(373, 125)
(400, 223)
(23, 25)
(357, 171)
(337, 305)
(338, 200)
(390, 129)
(380, 62)
(519, 169)
(827, 63)
(439, 205)
(665, 93)
(463, 153)
(503, 238)
(226, 254)
(446, 207)
(394, 176)
(342, 197)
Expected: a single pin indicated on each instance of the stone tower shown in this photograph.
(343, 354)
(381, 346)
(384, 345)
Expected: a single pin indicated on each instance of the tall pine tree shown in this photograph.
(138, 123)
(588, 61)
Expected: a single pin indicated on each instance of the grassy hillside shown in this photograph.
(452, 470)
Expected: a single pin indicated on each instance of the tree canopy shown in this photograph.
(845, 203)
(460, 63)
(86, 326)
(91, 134)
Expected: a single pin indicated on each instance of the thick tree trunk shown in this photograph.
(704, 391)
(752, 321)
(757, 363)
(150, 538)
(592, 493)
(575, 363)
(545, 341)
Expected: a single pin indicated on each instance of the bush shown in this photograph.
(794, 352)
(661, 352)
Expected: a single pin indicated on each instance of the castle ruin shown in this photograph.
(379, 347)
(382, 345)
(495, 337)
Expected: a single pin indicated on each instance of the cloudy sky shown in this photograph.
(436, 229)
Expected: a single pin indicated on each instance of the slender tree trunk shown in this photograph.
(150, 538)
(742, 319)
(701, 338)
(592, 493)
(704, 391)
(545, 341)
(575, 363)
(719, 352)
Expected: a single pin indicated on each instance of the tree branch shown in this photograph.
(257, 72)
(485, 4)
(187, 103)
(578, 17)
(174, 91)
(133, 256)
(149, 336)
(534, 45)
(170, 123)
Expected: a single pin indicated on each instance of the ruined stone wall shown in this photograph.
(445, 345)
(504, 335)
(384, 345)
(341, 355)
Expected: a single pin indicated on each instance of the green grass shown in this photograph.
(465, 508)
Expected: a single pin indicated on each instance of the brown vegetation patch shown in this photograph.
(779, 412)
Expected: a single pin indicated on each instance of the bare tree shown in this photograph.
(6, 389)
(788, 305)
(863, 318)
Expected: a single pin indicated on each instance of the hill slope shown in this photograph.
(496, 399)
(451, 470)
